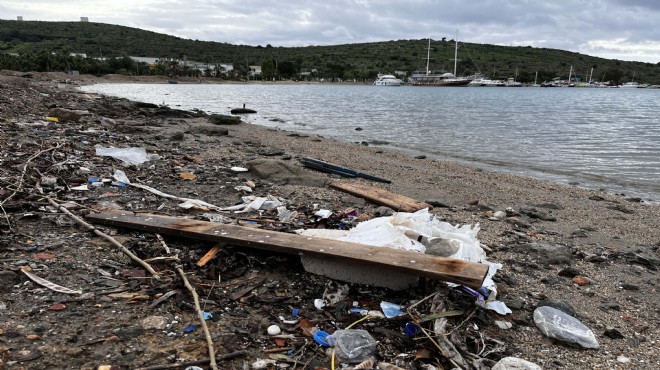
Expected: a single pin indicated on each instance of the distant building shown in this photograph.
(84, 19)
(148, 60)
(255, 71)
(19, 18)
(82, 55)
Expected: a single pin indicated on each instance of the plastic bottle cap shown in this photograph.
(411, 328)
(320, 338)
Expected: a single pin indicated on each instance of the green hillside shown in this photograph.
(360, 61)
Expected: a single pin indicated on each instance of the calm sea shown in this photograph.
(594, 138)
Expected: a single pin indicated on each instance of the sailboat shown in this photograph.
(536, 76)
(444, 79)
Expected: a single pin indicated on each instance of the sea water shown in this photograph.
(590, 137)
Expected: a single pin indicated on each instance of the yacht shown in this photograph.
(387, 80)
(444, 79)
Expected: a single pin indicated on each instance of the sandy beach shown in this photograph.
(593, 251)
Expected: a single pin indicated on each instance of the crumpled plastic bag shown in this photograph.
(422, 232)
(129, 155)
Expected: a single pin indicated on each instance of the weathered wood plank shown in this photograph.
(453, 270)
(384, 197)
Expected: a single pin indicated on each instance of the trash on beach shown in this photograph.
(53, 119)
(352, 345)
(252, 203)
(559, 325)
(49, 285)
(239, 169)
(187, 176)
(132, 155)
(422, 232)
(338, 170)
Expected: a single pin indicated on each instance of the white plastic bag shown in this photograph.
(128, 155)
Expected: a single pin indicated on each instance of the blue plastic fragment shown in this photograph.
(390, 309)
(295, 312)
(94, 179)
(320, 338)
(411, 328)
(207, 315)
(189, 328)
(484, 291)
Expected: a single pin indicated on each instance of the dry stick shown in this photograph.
(200, 315)
(20, 180)
(104, 236)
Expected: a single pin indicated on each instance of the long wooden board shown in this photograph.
(380, 196)
(452, 270)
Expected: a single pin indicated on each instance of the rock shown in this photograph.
(221, 119)
(420, 157)
(64, 115)
(358, 129)
(438, 203)
(550, 280)
(613, 333)
(629, 287)
(504, 325)
(558, 325)
(562, 306)
(569, 272)
(7, 280)
(212, 130)
(243, 111)
(140, 104)
(154, 322)
(581, 280)
(271, 152)
(514, 363)
(610, 306)
(550, 253)
(108, 121)
(284, 173)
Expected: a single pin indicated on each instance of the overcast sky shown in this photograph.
(615, 29)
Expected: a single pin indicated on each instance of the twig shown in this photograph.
(7, 218)
(107, 237)
(200, 315)
(19, 187)
(162, 242)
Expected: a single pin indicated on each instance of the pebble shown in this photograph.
(274, 330)
(515, 363)
(581, 280)
(154, 322)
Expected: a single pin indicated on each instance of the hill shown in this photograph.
(360, 61)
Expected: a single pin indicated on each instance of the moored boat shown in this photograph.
(443, 79)
(387, 80)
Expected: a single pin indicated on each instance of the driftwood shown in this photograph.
(380, 196)
(457, 271)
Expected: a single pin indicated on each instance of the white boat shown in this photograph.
(444, 79)
(631, 84)
(387, 80)
(492, 83)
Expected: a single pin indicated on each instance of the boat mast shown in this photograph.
(428, 57)
(456, 53)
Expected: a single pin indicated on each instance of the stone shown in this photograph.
(212, 130)
(581, 280)
(570, 272)
(154, 322)
(515, 363)
(221, 119)
(284, 173)
(64, 115)
(613, 333)
(550, 253)
(562, 306)
(550, 280)
(7, 280)
(556, 324)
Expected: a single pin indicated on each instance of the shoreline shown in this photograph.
(610, 241)
(649, 193)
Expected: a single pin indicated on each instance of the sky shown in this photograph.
(613, 29)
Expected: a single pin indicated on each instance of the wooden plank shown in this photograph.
(452, 270)
(380, 196)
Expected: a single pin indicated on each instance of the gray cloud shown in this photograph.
(620, 29)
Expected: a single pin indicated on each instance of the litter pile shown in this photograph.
(119, 252)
